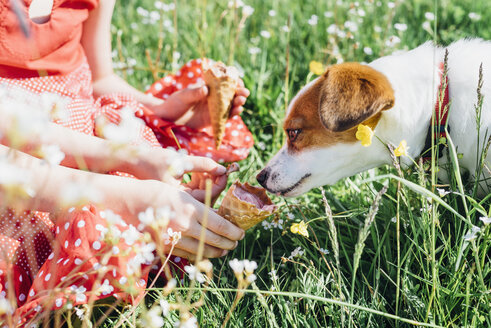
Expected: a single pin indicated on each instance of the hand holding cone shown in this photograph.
(222, 82)
(245, 205)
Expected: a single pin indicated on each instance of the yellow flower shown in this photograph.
(300, 228)
(401, 149)
(316, 67)
(364, 134)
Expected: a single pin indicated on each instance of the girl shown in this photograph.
(63, 47)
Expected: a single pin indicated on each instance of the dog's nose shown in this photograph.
(262, 177)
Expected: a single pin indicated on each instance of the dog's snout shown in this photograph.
(262, 177)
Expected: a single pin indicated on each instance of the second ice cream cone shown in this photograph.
(245, 205)
(222, 84)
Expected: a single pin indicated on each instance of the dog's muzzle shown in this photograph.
(263, 176)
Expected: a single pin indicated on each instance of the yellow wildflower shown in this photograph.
(316, 67)
(401, 150)
(364, 134)
(300, 228)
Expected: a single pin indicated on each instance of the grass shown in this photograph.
(384, 248)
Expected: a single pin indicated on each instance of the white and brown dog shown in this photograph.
(396, 96)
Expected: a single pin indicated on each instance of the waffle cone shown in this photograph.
(242, 213)
(222, 84)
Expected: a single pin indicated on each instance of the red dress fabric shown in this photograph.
(237, 138)
(53, 266)
(52, 48)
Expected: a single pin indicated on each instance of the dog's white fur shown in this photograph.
(414, 76)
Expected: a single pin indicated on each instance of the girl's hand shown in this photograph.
(197, 186)
(189, 106)
(220, 235)
(168, 166)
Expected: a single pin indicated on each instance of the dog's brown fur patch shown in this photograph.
(329, 111)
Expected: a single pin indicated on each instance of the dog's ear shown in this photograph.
(351, 93)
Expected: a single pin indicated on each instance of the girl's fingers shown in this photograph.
(243, 92)
(191, 246)
(206, 165)
(197, 189)
(222, 227)
(211, 238)
(239, 101)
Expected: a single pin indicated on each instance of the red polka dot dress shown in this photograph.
(44, 266)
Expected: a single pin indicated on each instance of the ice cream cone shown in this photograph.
(222, 84)
(245, 205)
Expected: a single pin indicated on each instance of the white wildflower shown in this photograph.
(442, 192)
(351, 26)
(430, 16)
(486, 220)
(237, 266)
(128, 129)
(171, 236)
(472, 234)
(272, 13)
(324, 251)
(205, 266)
(194, 273)
(254, 50)
(77, 193)
(235, 3)
(147, 217)
(153, 318)
(131, 235)
(400, 27)
(474, 16)
(106, 288)
(142, 12)
(297, 252)
(285, 28)
(328, 14)
(190, 322)
(368, 51)
(247, 11)
(251, 278)
(265, 34)
(80, 312)
(79, 293)
(427, 26)
(392, 41)
(391, 5)
(249, 266)
(313, 20)
(52, 154)
(179, 162)
(164, 305)
(5, 306)
(332, 29)
(55, 105)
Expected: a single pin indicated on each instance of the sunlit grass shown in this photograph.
(400, 258)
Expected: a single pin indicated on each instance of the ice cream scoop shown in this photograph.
(246, 205)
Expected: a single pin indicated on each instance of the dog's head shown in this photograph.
(320, 128)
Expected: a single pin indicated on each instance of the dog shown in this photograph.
(395, 96)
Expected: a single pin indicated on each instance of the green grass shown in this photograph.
(408, 263)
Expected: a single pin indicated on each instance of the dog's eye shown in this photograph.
(293, 134)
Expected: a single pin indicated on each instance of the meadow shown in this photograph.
(399, 257)
(391, 247)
